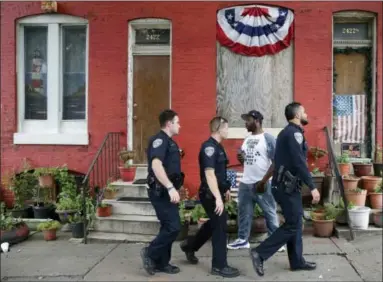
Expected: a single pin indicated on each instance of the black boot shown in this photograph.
(257, 262)
(190, 256)
(227, 271)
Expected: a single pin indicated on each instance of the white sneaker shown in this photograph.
(282, 249)
(239, 244)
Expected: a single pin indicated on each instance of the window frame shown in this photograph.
(54, 130)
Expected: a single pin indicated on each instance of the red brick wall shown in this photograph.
(193, 73)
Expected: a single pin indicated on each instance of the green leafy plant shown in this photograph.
(198, 212)
(258, 212)
(184, 213)
(76, 218)
(24, 187)
(331, 212)
(357, 190)
(379, 188)
(231, 209)
(111, 188)
(343, 159)
(49, 225)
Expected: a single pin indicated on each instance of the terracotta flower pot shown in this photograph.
(370, 182)
(378, 218)
(50, 235)
(376, 200)
(350, 183)
(344, 169)
(323, 228)
(104, 211)
(127, 174)
(361, 169)
(46, 180)
(110, 194)
(357, 198)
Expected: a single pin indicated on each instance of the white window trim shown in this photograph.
(242, 133)
(54, 130)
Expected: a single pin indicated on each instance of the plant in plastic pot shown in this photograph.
(324, 227)
(359, 217)
(127, 171)
(49, 229)
(344, 164)
(43, 205)
(78, 225)
(66, 207)
(12, 230)
(376, 197)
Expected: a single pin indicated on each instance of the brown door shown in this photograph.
(150, 97)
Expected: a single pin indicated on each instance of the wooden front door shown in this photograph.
(151, 80)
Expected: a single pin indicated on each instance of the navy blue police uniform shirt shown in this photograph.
(164, 148)
(213, 155)
(291, 152)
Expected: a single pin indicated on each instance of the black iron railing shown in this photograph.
(338, 177)
(103, 167)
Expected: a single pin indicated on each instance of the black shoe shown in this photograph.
(190, 256)
(227, 271)
(257, 262)
(169, 269)
(306, 266)
(147, 262)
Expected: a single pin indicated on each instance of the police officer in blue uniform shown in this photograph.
(214, 189)
(290, 172)
(164, 180)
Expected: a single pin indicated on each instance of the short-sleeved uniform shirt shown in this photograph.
(213, 155)
(291, 152)
(164, 148)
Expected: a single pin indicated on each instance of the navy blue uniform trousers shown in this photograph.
(160, 249)
(290, 232)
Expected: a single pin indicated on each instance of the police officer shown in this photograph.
(213, 190)
(289, 173)
(164, 179)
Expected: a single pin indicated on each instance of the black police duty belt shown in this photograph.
(177, 179)
(223, 187)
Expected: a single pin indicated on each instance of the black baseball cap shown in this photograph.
(254, 114)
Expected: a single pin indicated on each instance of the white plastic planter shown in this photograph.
(359, 217)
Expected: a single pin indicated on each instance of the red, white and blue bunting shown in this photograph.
(255, 30)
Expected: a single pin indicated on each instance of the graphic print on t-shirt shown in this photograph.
(251, 152)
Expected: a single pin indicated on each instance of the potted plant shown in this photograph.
(49, 229)
(77, 225)
(12, 230)
(110, 191)
(342, 217)
(362, 168)
(324, 226)
(376, 197)
(350, 182)
(185, 219)
(104, 210)
(356, 196)
(23, 186)
(378, 161)
(43, 205)
(199, 215)
(45, 177)
(231, 209)
(259, 222)
(127, 171)
(371, 182)
(66, 207)
(344, 164)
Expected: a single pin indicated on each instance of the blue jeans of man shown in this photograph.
(246, 201)
(159, 250)
(290, 232)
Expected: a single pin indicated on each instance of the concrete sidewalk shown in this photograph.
(37, 260)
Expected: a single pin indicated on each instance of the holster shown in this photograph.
(288, 182)
(159, 189)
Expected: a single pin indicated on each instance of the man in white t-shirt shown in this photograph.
(257, 154)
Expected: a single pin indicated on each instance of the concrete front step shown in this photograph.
(106, 237)
(131, 207)
(128, 189)
(129, 224)
(344, 232)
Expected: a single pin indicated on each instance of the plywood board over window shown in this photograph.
(350, 71)
(262, 83)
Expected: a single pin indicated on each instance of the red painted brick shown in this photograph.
(193, 73)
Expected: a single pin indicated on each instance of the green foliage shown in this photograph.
(24, 187)
(258, 212)
(331, 212)
(7, 222)
(198, 212)
(48, 225)
(231, 209)
(379, 188)
(343, 159)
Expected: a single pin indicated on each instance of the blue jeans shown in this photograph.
(246, 201)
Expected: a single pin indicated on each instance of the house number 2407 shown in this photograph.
(152, 37)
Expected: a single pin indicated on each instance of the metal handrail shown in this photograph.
(338, 177)
(91, 170)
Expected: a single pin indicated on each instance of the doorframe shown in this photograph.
(144, 50)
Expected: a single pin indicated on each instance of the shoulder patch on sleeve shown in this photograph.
(156, 143)
(299, 137)
(209, 151)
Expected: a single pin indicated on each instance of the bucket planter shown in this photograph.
(362, 169)
(344, 169)
(20, 213)
(359, 217)
(350, 183)
(323, 228)
(378, 218)
(376, 200)
(259, 225)
(78, 229)
(42, 211)
(49, 229)
(356, 196)
(370, 182)
(104, 210)
(127, 174)
(16, 234)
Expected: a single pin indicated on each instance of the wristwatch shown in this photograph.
(170, 188)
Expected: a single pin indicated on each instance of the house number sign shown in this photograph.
(351, 31)
(152, 36)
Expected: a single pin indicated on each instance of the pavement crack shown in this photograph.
(353, 266)
(100, 260)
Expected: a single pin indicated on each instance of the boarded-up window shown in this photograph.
(262, 83)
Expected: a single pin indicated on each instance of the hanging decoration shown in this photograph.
(255, 30)
(49, 6)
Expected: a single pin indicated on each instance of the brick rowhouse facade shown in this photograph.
(193, 73)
